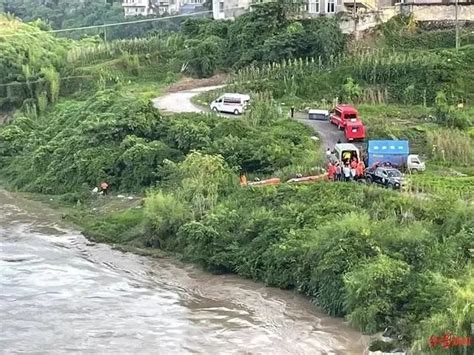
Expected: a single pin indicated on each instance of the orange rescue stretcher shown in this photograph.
(308, 179)
(267, 182)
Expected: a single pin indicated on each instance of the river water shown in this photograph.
(60, 293)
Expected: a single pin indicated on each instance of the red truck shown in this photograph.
(347, 118)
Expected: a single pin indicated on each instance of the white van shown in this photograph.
(231, 103)
(346, 151)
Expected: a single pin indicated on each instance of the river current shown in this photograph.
(60, 293)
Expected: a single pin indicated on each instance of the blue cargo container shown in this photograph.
(395, 152)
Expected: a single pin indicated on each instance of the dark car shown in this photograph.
(386, 176)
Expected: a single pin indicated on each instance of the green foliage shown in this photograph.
(404, 33)
(121, 138)
(373, 290)
(164, 213)
(451, 145)
(382, 76)
(351, 90)
(365, 253)
(29, 64)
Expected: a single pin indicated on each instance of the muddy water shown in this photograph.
(61, 294)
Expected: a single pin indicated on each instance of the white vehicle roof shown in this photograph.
(237, 96)
(345, 146)
(319, 112)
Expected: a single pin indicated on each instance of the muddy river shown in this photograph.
(60, 293)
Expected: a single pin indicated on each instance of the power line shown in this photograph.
(109, 24)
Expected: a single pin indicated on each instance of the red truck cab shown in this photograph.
(347, 118)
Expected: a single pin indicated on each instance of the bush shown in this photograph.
(165, 214)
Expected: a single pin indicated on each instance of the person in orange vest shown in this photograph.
(331, 171)
(360, 169)
(104, 187)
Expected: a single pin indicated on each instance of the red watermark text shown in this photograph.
(448, 341)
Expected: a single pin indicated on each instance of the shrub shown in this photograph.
(165, 214)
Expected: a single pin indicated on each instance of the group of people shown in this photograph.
(347, 169)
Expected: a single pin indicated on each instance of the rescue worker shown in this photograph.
(328, 153)
(346, 171)
(360, 170)
(104, 187)
(338, 171)
(331, 171)
(353, 168)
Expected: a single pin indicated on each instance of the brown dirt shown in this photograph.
(191, 83)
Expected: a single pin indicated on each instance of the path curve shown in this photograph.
(180, 101)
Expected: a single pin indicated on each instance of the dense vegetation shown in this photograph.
(124, 140)
(377, 257)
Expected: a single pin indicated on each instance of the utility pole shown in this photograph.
(457, 25)
(354, 16)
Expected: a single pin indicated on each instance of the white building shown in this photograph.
(229, 9)
(150, 7)
(137, 7)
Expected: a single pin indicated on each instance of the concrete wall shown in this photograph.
(232, 8)
(442, 12)
(425, 13)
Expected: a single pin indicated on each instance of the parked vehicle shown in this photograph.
(347, 118)
(354, 130)
(318, 115)
(396, 153)
(389, 177)
(231, 103)
(341, 114)
(346, 151)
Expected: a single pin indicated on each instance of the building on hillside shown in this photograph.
(191, 6)
(229, 9)
(152, 7)
(137, 7)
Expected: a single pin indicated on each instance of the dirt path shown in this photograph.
(180, 101)
(328, 133)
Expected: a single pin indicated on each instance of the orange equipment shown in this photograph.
(308, 179)
(268, 182)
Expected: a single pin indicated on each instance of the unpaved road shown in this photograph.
(180, 101)
(328, 133)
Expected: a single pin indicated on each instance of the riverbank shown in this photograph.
(253, 235)
(93, 297)
(334, 243)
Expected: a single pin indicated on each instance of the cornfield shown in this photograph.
(385, 75)
(461, 187)
(85, 55)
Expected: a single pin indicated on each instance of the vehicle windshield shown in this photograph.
(394, 173)
(351, 116)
